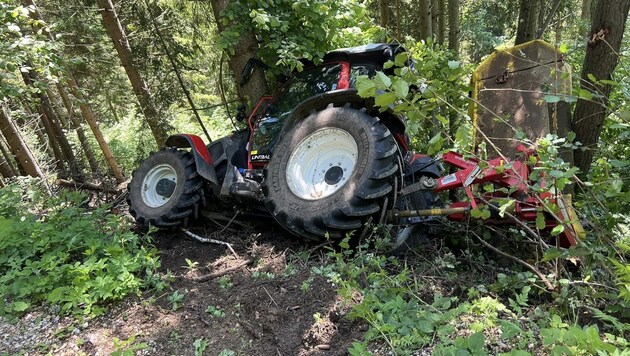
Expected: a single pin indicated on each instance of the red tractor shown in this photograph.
(317, 157)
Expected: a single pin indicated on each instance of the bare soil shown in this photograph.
(262, 308)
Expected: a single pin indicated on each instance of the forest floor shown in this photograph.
(266, 302)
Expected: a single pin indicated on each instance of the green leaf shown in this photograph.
(476, 341)
(592, 78)
(540, 221)
(401, 59)
(366, 87)
(383, 79)
(563, 48)
(385, 99)
(388, 65)
(401, 88)
(453, 64)
(557, 230)
(551, 98)
(585, 94)
(552, 253)
(20, 306)
(619, 164)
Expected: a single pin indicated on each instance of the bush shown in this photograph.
(54, 251)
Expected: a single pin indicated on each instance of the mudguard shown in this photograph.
(422, 165)
(203, 159)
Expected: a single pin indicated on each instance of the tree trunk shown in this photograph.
(88, 116)
(256, 87)
(609, 22)
(441, 33)
(6, 167)
(54, 126)
(527, 21)
(76, 124)
(425, 19)
(585, 13)
(453, 26)
(384, 12)
(159, 127)
(17, 146)
(544, 20)
(86, 112)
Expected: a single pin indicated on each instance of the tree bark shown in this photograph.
(88, 116)
(384, 13)
(6, 167)
(425, 19)
(76, 124)
(441, 33)
(585, 13)
(256, 87)
(22, 153)
(527, 21)
(159, 127)
(453, 26)
(54, 127)
(609, 22)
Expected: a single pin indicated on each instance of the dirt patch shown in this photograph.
(264, 300)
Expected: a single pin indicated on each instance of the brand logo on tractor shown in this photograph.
(260, 157)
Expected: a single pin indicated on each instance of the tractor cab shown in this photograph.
(306, 90)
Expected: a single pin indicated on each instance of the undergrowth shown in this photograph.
(463, 302)
(55, 251)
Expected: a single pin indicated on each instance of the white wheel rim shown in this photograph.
(154, 195)
(322, 163)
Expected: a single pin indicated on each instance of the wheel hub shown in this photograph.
(322, 163)
(159, 185)
(333, 175)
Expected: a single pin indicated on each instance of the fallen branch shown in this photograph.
(214, 275)
(517, 260)
(85, 185)
(209, 240)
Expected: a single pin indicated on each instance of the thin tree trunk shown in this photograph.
(159, 127)
(609, 22)
(434, 18)
(7, 170)
(527, 21)
(88, 116)
(87, 149)
(544, 24)
(424, 8)
(30, 78)
(453, 26)
(384, 13)
(17, 146)
(252, 90)
(585, 13)
(76, 124)
(441, 33)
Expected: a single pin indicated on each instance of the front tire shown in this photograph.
(330, 173)
(166, 190)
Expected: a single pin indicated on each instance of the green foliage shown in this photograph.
(127, 347)
(200, 346)
(215, 312)
(430, 94)
(176, 299)
(54, 251)
(290, 30)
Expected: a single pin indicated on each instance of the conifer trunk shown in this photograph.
(22, 153)
(159, 127)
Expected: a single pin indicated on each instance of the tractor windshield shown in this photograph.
(304, 85)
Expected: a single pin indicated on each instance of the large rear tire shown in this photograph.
(166, 190)
(330, 173)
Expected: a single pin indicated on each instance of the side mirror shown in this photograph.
(240, 113)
